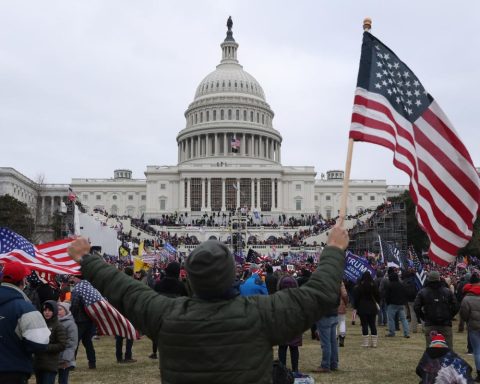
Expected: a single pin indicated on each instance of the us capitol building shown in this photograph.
(229, 157)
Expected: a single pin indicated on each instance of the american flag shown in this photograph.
(420, 274)
(393, 109)
(108, 320)
(47, 259)
(235, 144)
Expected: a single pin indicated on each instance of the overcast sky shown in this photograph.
(90, 86)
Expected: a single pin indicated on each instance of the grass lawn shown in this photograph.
(394, 361)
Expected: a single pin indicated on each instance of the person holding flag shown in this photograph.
(244, 328)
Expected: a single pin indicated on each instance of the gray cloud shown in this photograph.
(90, 86)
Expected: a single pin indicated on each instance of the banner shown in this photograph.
(356, 266)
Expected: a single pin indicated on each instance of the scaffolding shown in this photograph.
(238, 236)
(390, 224)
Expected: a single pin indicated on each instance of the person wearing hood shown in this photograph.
(436, 305)
(470, 312)
(67, 356)
(45, 363)
(23, 330)
(217, 336)
(465, 279)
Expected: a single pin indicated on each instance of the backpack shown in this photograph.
(281, 374)
(438, 308)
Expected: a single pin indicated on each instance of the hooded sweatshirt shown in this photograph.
(68, 354)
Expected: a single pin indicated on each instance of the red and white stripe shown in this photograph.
(50, 258)
(111, 322)
(443, 181)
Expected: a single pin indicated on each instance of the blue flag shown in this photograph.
(355, 267)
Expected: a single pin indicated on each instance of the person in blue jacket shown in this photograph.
(23, 329)
(253, 285)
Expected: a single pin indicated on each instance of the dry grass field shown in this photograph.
(394, 360)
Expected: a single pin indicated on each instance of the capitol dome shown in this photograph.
(229, 117)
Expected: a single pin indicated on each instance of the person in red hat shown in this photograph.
(23, 329)
(440, 365)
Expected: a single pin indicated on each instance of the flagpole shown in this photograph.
(367, 25)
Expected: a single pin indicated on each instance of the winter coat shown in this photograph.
(470, 306)
(395, 292)
(220, 341)
(442, 365)
(171, 287)
(68, 355)
(365, 297)
(435, 304)
(254, 285)
(48, 360)
(271, 282)
(23, 330)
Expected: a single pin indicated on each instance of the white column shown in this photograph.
(209, 190)
(281, 201)
(238, 193)
(216, 145)
(182, 194)
(225, 148)
(190, 147)
(267, 154)
(52, 200)
(198, 146)
(251, 146)
(243, 144)
(223, 194)
(259, 206)
(203, 195)
(273, 194)
(279, 152)
(207, 145)
(188, 194)
(252, 196)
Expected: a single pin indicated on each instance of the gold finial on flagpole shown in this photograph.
(367, 24)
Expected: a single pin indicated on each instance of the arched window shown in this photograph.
(196, 118)
(208, 115)
(218, 84)
(214, 115)
(222, 114)
(263, 118)
(258, 117)
(229, 114)
(235, 84)
(251, 116)
(201, 117)
(237, 114)
(229, 84)
(244, 115)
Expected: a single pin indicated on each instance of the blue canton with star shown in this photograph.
(382, 72)
(10, 241)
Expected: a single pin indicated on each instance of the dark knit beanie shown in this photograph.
(211, 269)
(173, 269)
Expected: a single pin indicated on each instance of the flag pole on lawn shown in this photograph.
(367, 25)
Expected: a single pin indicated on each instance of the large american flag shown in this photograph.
(393, 109)
(49, 258)
(108, 320)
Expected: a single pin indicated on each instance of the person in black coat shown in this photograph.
(365, 301)
(271, 280)
(396, 299)
(169, 286)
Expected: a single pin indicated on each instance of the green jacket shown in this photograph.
(221, 341)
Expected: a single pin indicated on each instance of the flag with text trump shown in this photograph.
(393, 109)
(108, 320)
